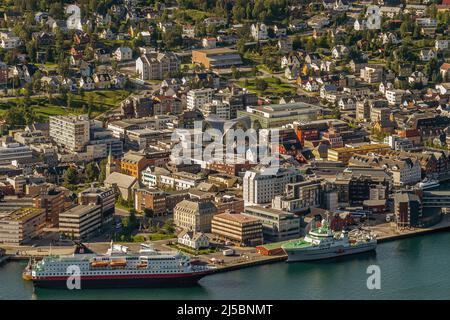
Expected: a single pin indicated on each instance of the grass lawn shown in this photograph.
(196, 15)
(265, 68)
(272, 88)
(102, 101)
(191, 250)
(376, 61)
(160, 236)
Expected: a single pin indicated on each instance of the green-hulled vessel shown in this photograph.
(324, 243)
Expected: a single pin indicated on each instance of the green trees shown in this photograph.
(102, 173)
(169, 225)
(172, 37)
(15, 117)
(70, 177)
(261, 84)
(92, 172)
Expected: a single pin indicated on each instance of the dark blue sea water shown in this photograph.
(414, 268)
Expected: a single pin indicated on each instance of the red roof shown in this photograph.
(445, 66)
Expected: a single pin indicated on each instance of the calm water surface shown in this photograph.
(415, 268)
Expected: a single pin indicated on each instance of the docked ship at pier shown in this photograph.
(323, 243)
(118, 269)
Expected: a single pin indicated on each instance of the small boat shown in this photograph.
(26, 274)
(99, 264)
(142, 265)
(118, 263)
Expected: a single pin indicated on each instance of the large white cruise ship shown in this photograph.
(118, 269)
(323, 243)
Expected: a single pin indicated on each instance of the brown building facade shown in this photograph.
(243, 230)
(154, 200)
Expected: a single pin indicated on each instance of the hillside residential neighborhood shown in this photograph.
(100, 121)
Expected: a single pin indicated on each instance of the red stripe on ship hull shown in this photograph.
(127, 276)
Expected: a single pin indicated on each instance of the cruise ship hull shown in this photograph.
(129, 281)
(307, 254)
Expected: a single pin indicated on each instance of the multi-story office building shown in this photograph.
(217, 108)
(152, 199)
(70, 132)
(277, 225)
(238, 228)
(408, 210)
(21, 225)
(52, 201)
(262, 185)
(196, 98)
(299, 196)
(105, 197)
(14, 151)
(81, 221)
(194, 215)
(277, 115)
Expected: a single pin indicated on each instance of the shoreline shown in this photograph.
(442, 226)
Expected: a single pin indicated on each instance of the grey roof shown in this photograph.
(121, 180)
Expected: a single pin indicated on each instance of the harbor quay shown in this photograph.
(243, 256)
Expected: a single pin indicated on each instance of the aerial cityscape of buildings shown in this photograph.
(88, 119)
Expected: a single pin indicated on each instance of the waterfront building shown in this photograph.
(277, 225)
(408, 210)
(194, 215)
(237, 228)
(194, 240)
(81, 221)
(22, 225)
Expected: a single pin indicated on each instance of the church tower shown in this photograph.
(110, 165)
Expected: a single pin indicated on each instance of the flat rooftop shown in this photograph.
(283, 110)
(217, 51)
(363, 147)
(236, 217)
(23, 214)
(80, 210)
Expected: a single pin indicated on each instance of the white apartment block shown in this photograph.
(441, 44)
(259, 31)
(196, 98)
(426, 22)
(123, 54)
(394, 96)
(217, 108)
(70, 132)
(261, 186)
(156, 65)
